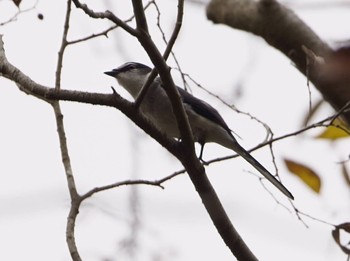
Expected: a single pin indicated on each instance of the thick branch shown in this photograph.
(282, 29)
(140, 17)
(276, 24)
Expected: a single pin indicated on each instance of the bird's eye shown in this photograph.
(132, 66)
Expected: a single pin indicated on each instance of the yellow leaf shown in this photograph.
(307, 175)
(338, 129)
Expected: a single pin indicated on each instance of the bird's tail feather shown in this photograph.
(245, 154)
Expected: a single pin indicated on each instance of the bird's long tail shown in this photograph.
(245, 154)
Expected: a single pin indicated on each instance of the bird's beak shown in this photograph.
(111, 73)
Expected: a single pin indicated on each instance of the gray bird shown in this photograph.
(206, 123)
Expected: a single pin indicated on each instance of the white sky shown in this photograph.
(105, 146)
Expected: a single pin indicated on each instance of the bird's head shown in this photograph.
(131, 76)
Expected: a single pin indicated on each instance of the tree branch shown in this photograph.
(285, 31)
(74, 196)
(105, 15)
(141, 21)
(276, 24)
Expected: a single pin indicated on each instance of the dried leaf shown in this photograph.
(336, 236)
(17, 2)
(307, 175)
(337, 130)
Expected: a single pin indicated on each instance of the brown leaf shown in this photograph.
(17, 2)
(307, 175)
(336, 236)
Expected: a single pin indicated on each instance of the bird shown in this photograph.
(206, 123)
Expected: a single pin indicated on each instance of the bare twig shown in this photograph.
(177, 29)
(321, 123)
(63, 46)
(75, 198)
(122, 183)
(19, 12)
(92, 36)
(231, 106)
(104, 32)
(105, 15)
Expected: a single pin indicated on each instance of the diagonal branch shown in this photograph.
(284, 30)
(275, 23)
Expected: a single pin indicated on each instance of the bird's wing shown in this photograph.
(203, 109)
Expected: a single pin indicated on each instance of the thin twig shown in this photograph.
(321, 123)
(57, 109)
(106, 15)
(75, 198)
(167, 43)
(63, 46)
(232, 107)
(119, 184)
(106, 31)
(92, 36)
(19, 12)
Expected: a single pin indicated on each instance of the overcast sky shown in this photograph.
(105, 147)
